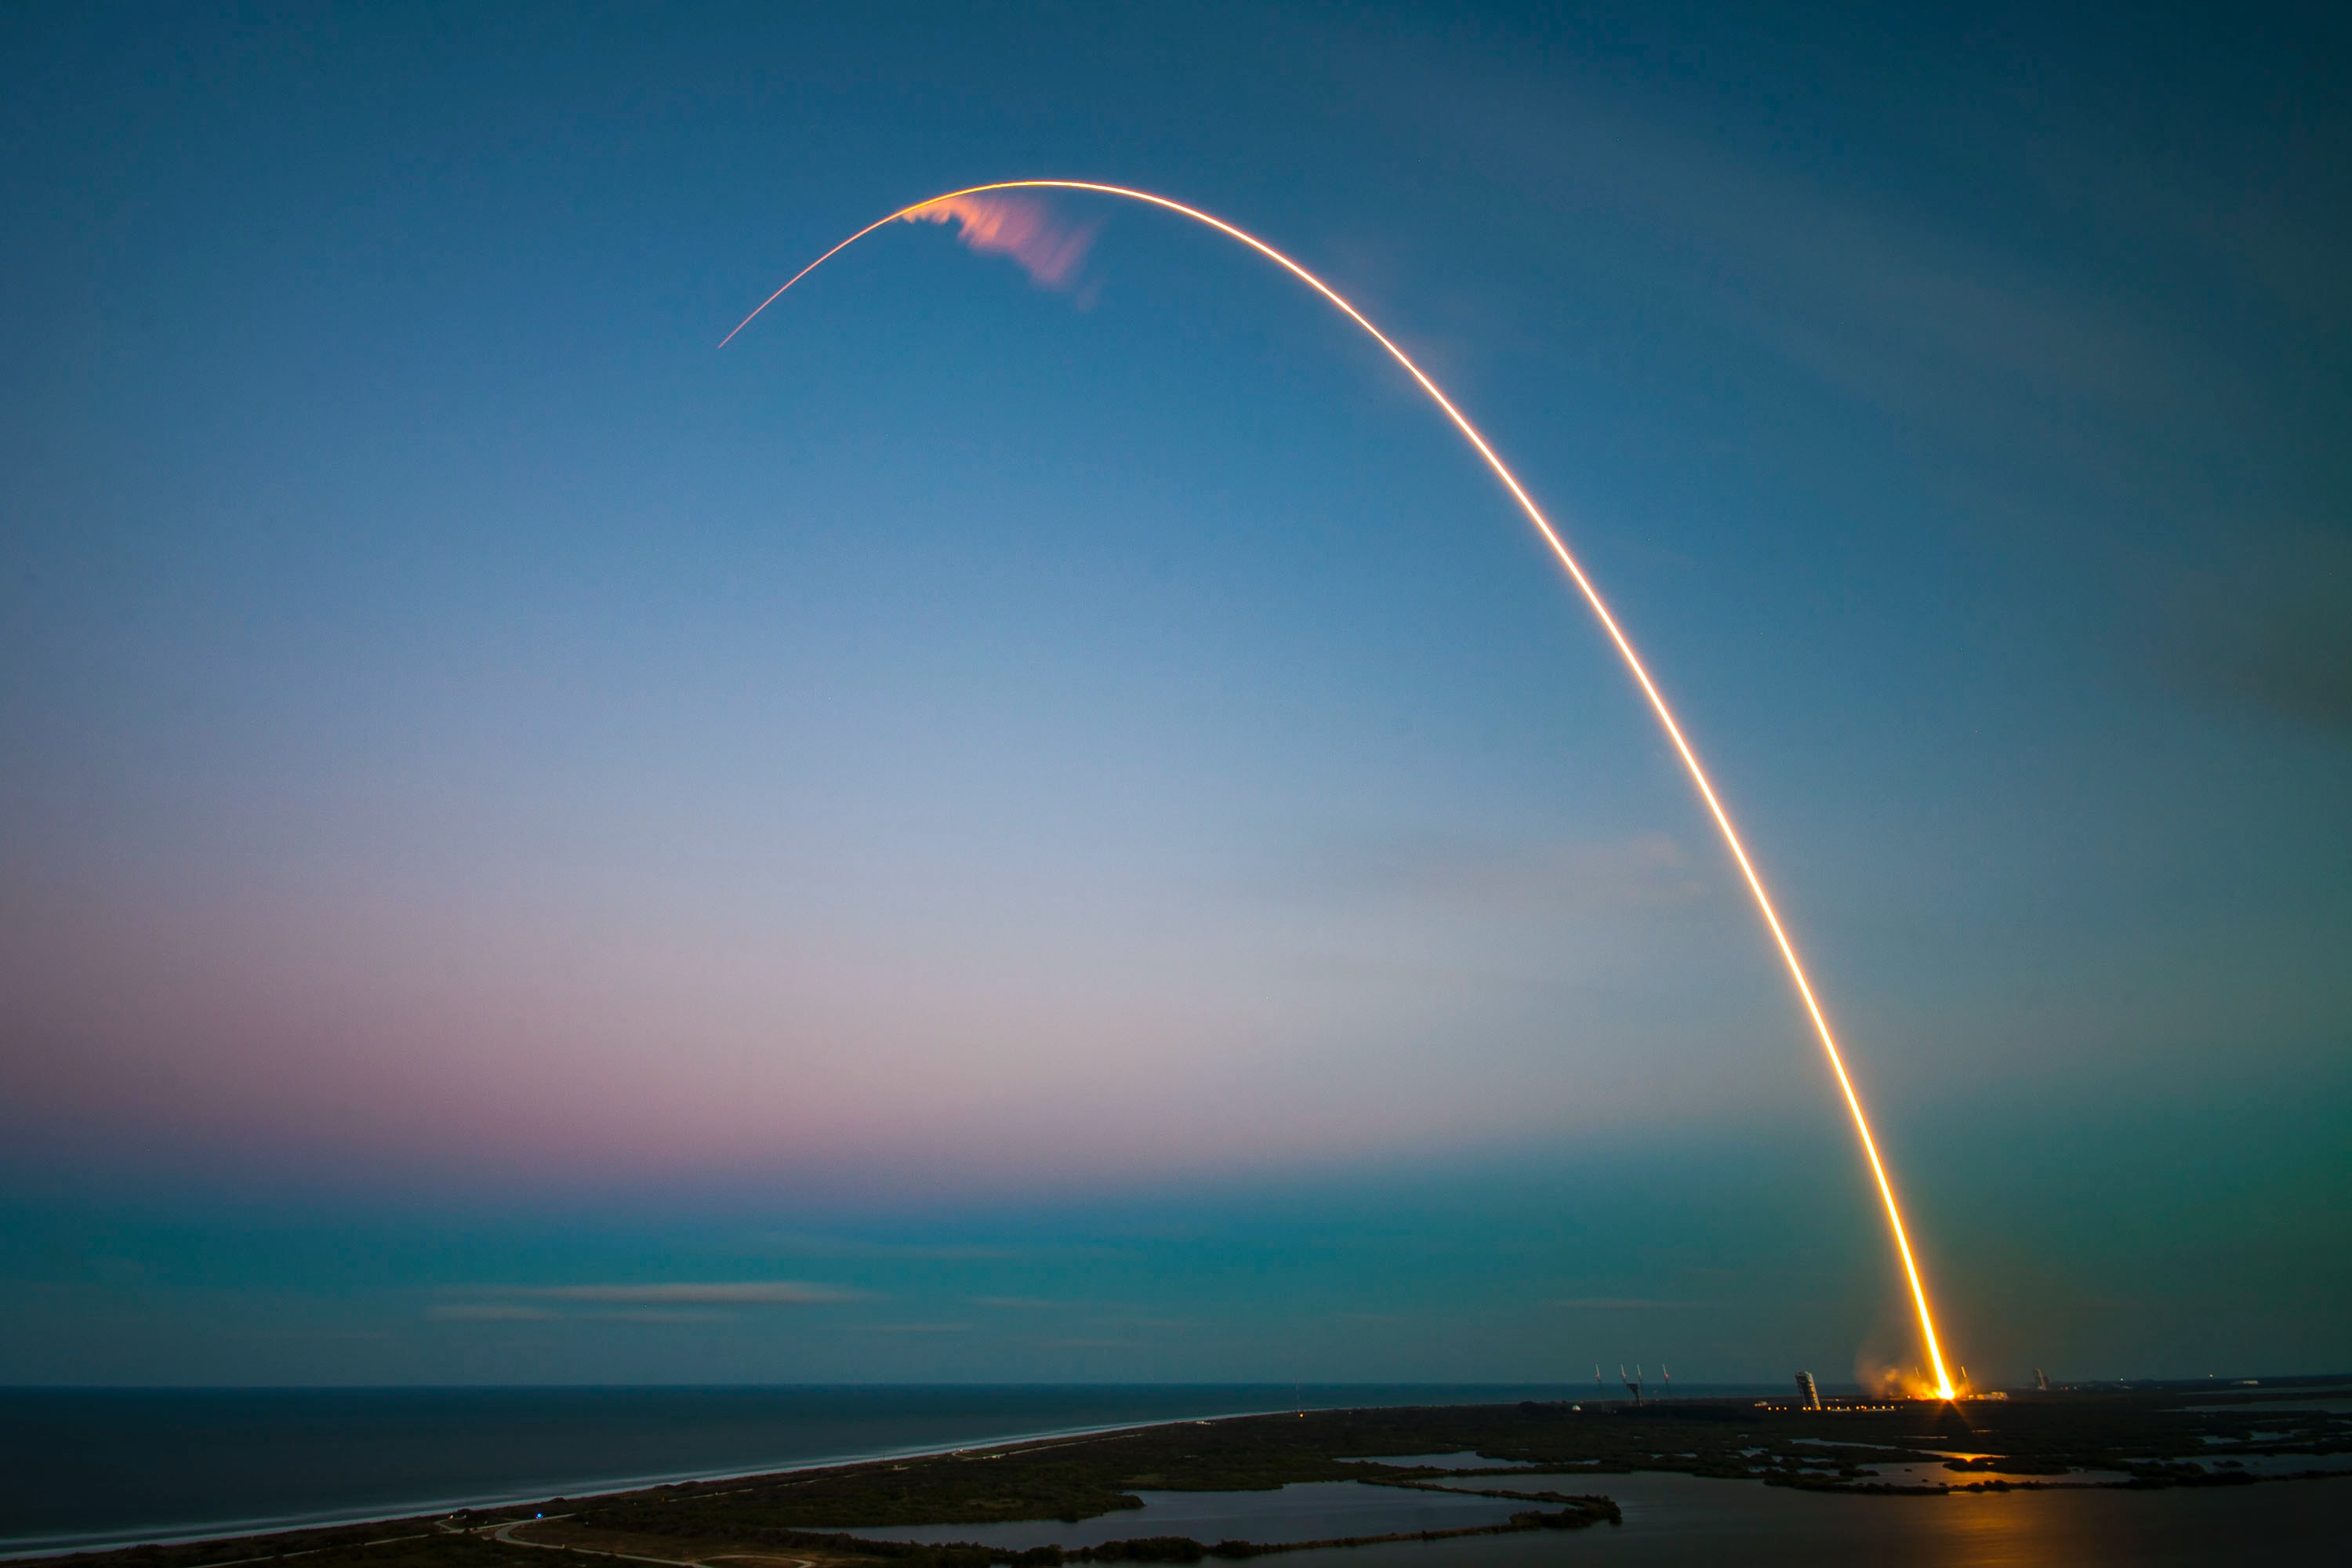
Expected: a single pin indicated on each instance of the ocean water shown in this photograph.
(84, 1468)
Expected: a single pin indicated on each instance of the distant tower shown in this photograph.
(2041, 1380)
(1667, 1378)
(1808, 1392)
(1598, 1388)
(1632, 1383)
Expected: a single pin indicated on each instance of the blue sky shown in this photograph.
(1087, 795)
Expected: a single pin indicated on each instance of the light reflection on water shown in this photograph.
(1683, 1521)
(1933, 1474)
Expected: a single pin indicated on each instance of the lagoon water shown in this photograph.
(83, 1467)
(1683, 1522)
(1309, 1510)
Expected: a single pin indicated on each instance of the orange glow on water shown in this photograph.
(957, 203)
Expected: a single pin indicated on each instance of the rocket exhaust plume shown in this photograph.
(1022, 227)
(985, 226)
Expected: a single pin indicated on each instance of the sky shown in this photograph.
(1039, 817)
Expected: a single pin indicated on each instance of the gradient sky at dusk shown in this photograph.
(1061, 828)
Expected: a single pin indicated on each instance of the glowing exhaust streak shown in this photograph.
(1592, 597)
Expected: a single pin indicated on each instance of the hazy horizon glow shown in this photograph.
(1067, 762)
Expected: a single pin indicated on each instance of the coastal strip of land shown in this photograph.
(2133, 1438)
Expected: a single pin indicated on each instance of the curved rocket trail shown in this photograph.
(1600, 608)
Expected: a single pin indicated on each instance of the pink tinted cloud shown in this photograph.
(1022, 227)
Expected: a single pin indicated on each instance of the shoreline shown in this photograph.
(75, 1544)
(236, 1529)
(2073, 1432)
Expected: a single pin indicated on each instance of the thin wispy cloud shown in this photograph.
(1619, 1303)
(487, 1312)
(1650, 871)
(1896, 306)
(1151, 1325)
(678, 1301)
(1019, 1303)
(2271, 635)
(707, 1293)
(802, 1243)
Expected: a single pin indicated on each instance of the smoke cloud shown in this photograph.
(1022, 227)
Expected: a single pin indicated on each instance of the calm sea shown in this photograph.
(87, 1468)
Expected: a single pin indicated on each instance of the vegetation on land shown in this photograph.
(2139, 1437)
